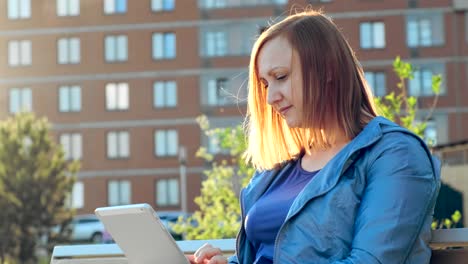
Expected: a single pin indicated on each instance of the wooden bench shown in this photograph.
(448, 246)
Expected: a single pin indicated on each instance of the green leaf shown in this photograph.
(456, 216)
(436, 83)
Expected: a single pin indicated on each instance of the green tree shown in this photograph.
(219, 212)
(402, 108)
(35, 181)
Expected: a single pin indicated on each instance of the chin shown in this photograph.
(292, 124)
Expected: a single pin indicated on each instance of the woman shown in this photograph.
(334, 182)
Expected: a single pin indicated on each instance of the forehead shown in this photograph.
(276, 52)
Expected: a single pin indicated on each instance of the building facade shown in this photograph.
(123, 81)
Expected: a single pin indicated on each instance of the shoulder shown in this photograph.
(402, 151)
(391, 137)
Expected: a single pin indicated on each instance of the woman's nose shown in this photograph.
(273, 95)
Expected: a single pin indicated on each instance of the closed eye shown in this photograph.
(282, 77)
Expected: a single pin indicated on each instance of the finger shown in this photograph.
(191, 259)
(218, 259)
(199, 251)
(207, 253)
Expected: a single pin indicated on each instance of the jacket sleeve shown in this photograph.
(233, 260)
(397, 205)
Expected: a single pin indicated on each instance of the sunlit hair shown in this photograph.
(335, 93)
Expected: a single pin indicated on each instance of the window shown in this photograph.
(372, 35)
(165, 94)
(19, 53)
(214, 3)
(68, 8)
(77, 195)
(167, 192)
(68, 51)
(20, 100)
(115, 7)
(217, 94)
(234, 39)
(377, 82)
(166, 143)
(223, 89)
(215, 43)
(70, 98)
(19, 9)
(116, 48)
(118, 145)
(117, 96)
(72, 145)
(164, 46)
(162, 5)
(119, 193)
(421, 84)
(213, 145)
(425, 30)
(430, 133)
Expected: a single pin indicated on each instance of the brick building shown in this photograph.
(123, 81)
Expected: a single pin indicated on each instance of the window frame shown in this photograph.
(23, 52)
(119, 194)
(167, 182)
(162, 9)
(116, 46)
(115, 5)
(167, 149)
(165, 88)
(163, 36)
(23, 10)
(375, 89)
(69, 50)
(119, 150)
(117, 91)
(69, 154)
(436, 36)
(28, 101)
(68, 8)
(69, 100)
(372, 35)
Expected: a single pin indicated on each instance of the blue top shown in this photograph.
(266, 216)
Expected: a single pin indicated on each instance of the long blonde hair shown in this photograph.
(335, 93)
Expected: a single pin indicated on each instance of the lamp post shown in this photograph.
(183, 178)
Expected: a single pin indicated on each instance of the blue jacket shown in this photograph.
(372, 203)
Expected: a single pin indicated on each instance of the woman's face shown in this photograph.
(279, 70)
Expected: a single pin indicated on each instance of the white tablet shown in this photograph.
(140, 234)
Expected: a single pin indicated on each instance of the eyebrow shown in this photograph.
(270, 71)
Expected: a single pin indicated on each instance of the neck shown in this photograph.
(314, 159)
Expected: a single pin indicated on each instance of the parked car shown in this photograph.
(85, 228)
(170, 217)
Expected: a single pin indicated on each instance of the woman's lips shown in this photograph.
(285, 109)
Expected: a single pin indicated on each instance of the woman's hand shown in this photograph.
(207, 254)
